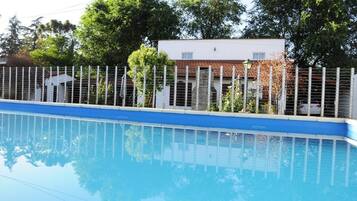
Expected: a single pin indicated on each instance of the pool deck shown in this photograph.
(242, 121)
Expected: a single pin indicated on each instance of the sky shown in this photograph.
(28, 10)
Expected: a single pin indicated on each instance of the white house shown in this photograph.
(213, 53)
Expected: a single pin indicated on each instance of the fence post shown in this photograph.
(165, 68)
(97, 86)
(88, 84)
(323, 91)
(72, 92)
(115, 85)
(258, 90)
(245, 88)
(186, 86)
(209, 87)
(50, 83)
(351, 92)
(283, 83)
(337, 96)
(29, 85)
(296, 89)
(9, 83)
(57, 94)
(106, 85)
(175, 85)
(197, 87)
(65, 85)
(3, 83)
(124, 92)
(134, 87)
(232, 87)
(15, 83)
(220, 88)
(154, 88)
(144, 91)
(80, 84)
(22, 83)
(35, 82)
(309, 92)
(43, 85)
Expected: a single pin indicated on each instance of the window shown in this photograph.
(187, 55)
(258, 55)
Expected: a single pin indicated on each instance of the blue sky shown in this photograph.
(27, 10)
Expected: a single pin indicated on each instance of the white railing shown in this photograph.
(325, 92)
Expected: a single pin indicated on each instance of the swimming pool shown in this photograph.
(44, 157)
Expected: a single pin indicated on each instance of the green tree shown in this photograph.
(142, 61)
(209, 19)
(111, 29)
(318, 33)
(11, 42)
(55, 44)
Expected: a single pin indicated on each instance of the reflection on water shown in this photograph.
(127, 161)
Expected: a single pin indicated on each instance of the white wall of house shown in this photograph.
(222, 49)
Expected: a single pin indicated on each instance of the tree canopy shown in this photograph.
(318, 33)
(111, 29)
(209, 19)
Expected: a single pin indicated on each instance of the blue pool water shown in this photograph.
(48, 158)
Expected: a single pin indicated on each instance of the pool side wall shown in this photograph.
(271, 123)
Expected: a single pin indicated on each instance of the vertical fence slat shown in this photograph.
(258, 90)
(283, 85)
(232, 88)
(29, 85)
(116, 85)
(245, 88)
(65, 86)
(209, 87)
(15, 83)
(220, 88)
(134, 87)
(57, 90)
(22, 83)
(154, 88)
(175, 86)
(337, 96)
(97, 87)
(296, 92)
(43, 84)
(309, 92)
(323, 90)
(124, 94)
(186, 86)
(88, 84)
(106, 85)
(3, 83)
(80, 83)
(351, 92)
(72, 92)
(50, 83)
(9, 96)
(35, 85)
(197, 87)
(144, 90)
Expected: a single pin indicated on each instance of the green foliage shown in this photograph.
(54, 51)
(10, 43)
(237, 99)
(111, 29)
(209, 19)
(318, 33)
(101, 91)
(143, 61)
